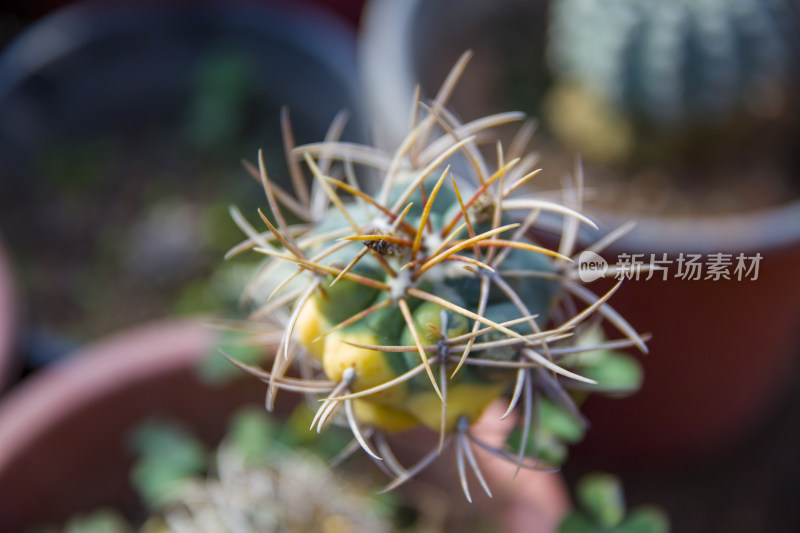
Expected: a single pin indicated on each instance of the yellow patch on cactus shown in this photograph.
(383, 417)
(371, 366)
(310, 325)
(463, 399)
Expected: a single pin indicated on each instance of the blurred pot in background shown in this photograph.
(64, 431)
(123, 127)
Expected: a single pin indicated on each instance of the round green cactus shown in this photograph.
(675, 61)
(624, 68)
(422, 299)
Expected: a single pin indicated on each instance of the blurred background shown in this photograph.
(122, 128)
(121, 123)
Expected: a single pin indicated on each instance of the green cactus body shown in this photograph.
(386, 326)
(422, 301)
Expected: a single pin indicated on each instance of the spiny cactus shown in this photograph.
(421, 301)
(675, 61)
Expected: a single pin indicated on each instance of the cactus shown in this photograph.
(419, 301)
(674, 61)
(253, 482)
(671, 65)
(296, 493)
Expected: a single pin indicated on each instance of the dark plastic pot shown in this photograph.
(123, 128)
(96, 67)
(723, 351)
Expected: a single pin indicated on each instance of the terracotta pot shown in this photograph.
(721, 351)
(64, 432)
(8, 320)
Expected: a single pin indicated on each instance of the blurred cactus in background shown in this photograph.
(262, 478)
(629, 68)
(253, 483)
(419, 300)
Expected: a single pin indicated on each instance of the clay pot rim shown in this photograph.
(387, 67)
(91, 373)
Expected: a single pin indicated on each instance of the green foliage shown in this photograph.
(259, 476)
(602, 499)
(617, 374)
(174, 470)
(215, 369)
(216, 114)
(556, 429)
(560, 423)
(168, 454)
(252, 434)
(257, 437)
(601, 509)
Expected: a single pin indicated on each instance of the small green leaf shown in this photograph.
(215, 369)
(576, 522)
(601, 497)
(541, 445)
(99, 521)
(168, 455)
(615, 372)
(559, 422)
(645, 519)
(551, 450)
(252, 434)
(296, 431)
(548, 441)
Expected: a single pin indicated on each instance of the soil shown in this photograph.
(752, 185)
